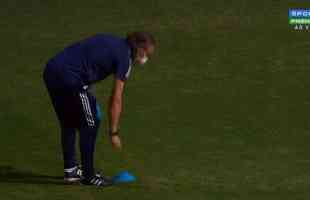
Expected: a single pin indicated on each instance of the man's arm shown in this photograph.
(115, 109)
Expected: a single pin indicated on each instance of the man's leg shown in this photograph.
(87, 146)
(72, 172)
(68, 148)
(88, 132)
(62, 104)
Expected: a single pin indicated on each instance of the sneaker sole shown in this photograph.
(71, 180)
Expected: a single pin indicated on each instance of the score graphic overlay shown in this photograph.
(299, 19)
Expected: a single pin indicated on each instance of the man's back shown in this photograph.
(93, 59)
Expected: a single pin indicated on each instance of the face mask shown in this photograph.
(144, 60)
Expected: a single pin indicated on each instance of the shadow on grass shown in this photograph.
(9, 174)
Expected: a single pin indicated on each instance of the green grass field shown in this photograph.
(221, 112)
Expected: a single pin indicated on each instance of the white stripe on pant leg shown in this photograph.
(89, 121)
(84, 109)
(87, 104)
(88, 111)
(88, 108)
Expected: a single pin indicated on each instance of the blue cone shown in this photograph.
(123, 177)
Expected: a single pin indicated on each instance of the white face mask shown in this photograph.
(144, 60)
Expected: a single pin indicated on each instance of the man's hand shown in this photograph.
(116, 142)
